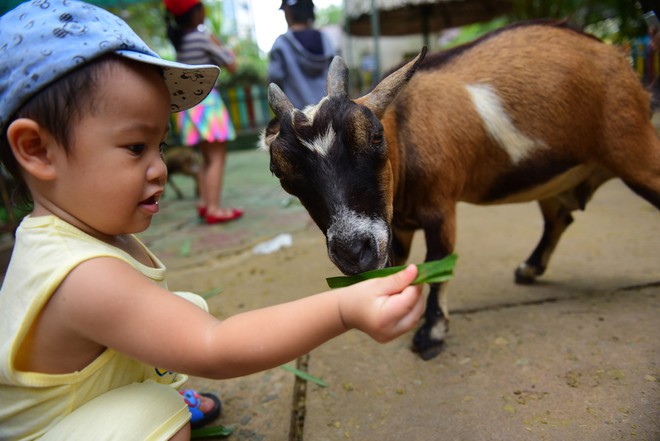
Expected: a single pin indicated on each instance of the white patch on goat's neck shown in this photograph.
(498, 124)
(321, 144)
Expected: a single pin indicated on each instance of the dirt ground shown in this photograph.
(575, 357)
(572, 358)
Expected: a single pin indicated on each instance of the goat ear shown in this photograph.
(278, 101)
(269, 134)
(388, 89)
(337, 84)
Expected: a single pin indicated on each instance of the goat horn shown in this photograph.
(337, 78)
(388, 89)
(278, 101)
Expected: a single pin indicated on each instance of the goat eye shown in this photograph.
(377, 138)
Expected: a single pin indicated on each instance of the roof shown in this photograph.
(403, 17)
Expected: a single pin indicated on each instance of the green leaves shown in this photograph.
(186, 246)
(304, 375)
(211, 432)
(210, 293)
(435, 271)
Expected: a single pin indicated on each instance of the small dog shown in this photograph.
(183, 160)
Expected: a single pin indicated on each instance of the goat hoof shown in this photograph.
(526, 274)
(431, 352)
(426, 346)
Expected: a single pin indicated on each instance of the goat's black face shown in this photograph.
(333, 157)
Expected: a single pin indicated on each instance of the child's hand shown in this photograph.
(383, 308)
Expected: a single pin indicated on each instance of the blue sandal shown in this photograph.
(193, 400)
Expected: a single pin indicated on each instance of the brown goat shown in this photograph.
(182, 160)
(533, 111)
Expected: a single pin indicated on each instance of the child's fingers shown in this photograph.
(406, 276)
(396, 314)
(418, 307)
(397, 282)
(404, 302)
(375, 306)
(405, 309)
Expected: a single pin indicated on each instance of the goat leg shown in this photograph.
(430, 337)
(177, 190)
(556, 220)
(440, 236)
(557, 217)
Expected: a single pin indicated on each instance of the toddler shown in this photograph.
(93, 345)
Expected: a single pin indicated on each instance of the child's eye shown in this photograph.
(136, 149)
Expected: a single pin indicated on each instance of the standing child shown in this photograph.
(91, 339)
(206, 126)
(300, 58)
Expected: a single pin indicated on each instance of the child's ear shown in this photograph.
(32, 146)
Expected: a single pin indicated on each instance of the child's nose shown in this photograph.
(157, 171)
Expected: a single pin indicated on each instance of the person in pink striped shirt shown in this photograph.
(206, 126)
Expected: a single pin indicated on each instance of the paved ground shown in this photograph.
(575, 357)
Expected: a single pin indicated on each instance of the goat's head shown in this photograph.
(334, 157)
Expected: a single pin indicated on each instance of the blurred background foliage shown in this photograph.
(147, 18)
(612, 20)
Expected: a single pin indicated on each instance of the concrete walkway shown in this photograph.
(574, 357)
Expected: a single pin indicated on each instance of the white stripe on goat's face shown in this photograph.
(333, 158)
(498, 125)
(352, 231)
(311, 109)
(321, 144)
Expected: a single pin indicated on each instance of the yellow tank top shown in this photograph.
(45, 251)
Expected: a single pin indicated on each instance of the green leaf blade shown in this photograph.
(435, 271)
(304, 375)
(211, 432)
(210, 293)
(186, 246)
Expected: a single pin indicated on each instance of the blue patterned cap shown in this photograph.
(43, 40)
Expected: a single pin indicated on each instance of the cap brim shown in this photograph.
(188, 84)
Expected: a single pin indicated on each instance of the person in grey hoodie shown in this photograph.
(299, 58)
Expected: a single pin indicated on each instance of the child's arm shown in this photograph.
(106, 301)
(221, 55)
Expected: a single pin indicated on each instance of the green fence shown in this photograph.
(248, 107)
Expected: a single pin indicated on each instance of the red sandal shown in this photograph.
(234, 214)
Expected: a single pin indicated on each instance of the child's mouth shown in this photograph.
(150, 204)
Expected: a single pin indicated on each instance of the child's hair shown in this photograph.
(177, 24)
(55, 108)
(302, 11)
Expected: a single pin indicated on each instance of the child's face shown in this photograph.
(110, 181)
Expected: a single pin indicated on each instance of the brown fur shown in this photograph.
(182, 160)
(567, 113)
(560, 101)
